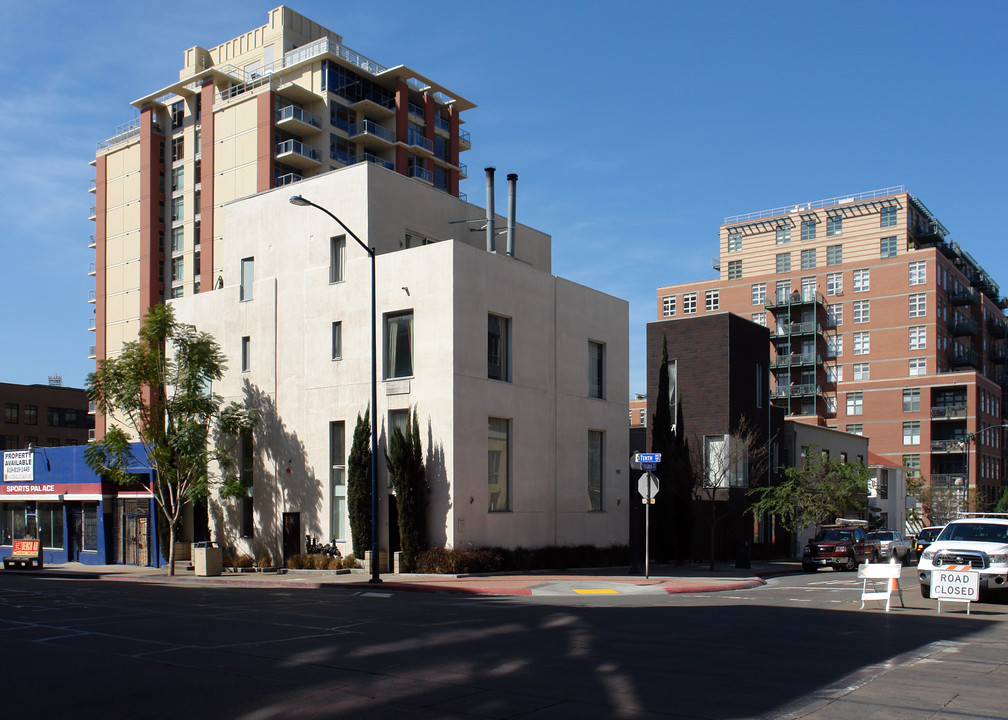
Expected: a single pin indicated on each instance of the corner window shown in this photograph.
(498, 465)
(337, 258)
(498, 348)
(596, 455)
(399, 345)
(247, 278)
(596, 370)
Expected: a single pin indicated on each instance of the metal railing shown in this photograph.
(123, 133)
(418, 140)
(91, 241)
(298, 148)
(92, 213)
(293, 112)
(950, 411)
(416, 110)
(421, 174)
(288, 179)
(367, 127)
(441, 124)
(464, 137)
(838, 200)
(368, 157)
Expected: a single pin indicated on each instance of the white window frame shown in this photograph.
(918, 272)
(862, 343)
(668, 306)
(759, 294)
(917, 304)
(855, 403)
(689, 303)
(861, 312)
(712, 300)
(918, 337)
(862, 280)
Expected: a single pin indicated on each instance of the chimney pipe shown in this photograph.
(491, 241)
(512, 179)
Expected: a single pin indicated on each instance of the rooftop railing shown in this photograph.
(838, 200)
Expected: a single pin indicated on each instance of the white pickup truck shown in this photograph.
(893, 545)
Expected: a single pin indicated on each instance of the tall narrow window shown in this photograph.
(668, 306)
(245, 475)
(498, 465)
(596, 453)
(337, 258)
(246, 353)
(498, 348)
(247, 277)
(337, 340)
(399, 345)
(759, 294)
(596, 369)
(337, 478)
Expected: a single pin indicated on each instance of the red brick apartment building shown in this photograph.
(879, 325)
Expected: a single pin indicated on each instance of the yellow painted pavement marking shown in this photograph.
(596, 591)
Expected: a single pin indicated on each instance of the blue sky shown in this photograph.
(635, 128)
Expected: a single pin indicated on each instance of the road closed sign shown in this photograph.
(953, 584)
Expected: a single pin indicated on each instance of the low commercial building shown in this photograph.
(43, 416)
(518, 377)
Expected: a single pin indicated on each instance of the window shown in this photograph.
(177, 209)
(246, 353)
(177, 239)
(808, 229)
(834, 225)
(808, 259)
(498, 348)
(89, 529)
(689, 303)
(918, 366)
(759, 294)
(725, 462)
(596, 370)
(834, 315)
(783, 262)
(918, 272)
(178, 179)
(177, 291)
(918, 337)
(177, 114)
(337, 478)
(49, 517)
(861, 313)
(783, 234)
(498, 465)
(887, 217)
(734, 242)
(177, 269)
(596, 459)
(783, 290)
(918, 305)
(734, 269)
(399, 345)
(855, 428)
(834, 373)
(177, 149)
(337, 258)
(861, 371)
(855, 403)
(247, 277)
(834, 255)
(808, 288)
(245, 476)
(912, 464)
(862, 343)
(712, 299)
(887, 247)
(862, 281)
(668, 306)
(911, 432)
(834, 345)
(337, 340)
(834, 284)
(759, 318)
(31, 414)
(11, 412)
(911, 400)
(830, 405)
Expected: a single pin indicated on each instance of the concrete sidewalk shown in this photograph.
(664, 579)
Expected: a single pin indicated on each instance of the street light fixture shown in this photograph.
(304, 202)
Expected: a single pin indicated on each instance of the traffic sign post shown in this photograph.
(647, 486)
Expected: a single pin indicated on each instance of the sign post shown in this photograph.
(647, 486)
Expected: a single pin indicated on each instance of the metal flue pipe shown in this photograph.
(490, 230)
(512, 179)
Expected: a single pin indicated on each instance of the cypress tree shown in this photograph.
(359, 486)
(409, 479)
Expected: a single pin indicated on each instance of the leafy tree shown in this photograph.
(818, 491)
(1001, 506)
(359, 486)
(168, 402)
(743, 456)
(409, 479)
(672, 517)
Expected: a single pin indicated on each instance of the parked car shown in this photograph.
(893, 545)
(842, 546)
(979, 540)
(925, 537)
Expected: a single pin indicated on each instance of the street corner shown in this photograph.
(595, 589)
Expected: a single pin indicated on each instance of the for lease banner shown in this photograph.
(18, 466)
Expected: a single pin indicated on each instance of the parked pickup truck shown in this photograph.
(893, 545)
(843, 546)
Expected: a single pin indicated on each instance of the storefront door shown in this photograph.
(75, 531)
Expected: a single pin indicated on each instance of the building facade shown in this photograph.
(282, 102)
(518, 377)
(43, 416)
(879, 325)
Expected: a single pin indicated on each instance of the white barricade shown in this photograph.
(873, 573)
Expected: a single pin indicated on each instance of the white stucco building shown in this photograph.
(519, 378)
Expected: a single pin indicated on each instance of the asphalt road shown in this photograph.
(798, 647)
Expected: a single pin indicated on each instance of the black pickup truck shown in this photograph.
(842, 546)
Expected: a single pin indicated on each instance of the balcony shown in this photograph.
(91, 296)
(92, 215)
(996, 328)
(91, 352)
(91, 242)
(791, 299)
(368, 157)
(421, 174)
(297, 120)
(953, 445)
(798, 390)
(463, 170)
(796, 328)
(959, 325)
(416, 140)
(91, 324)
(94, 186)
(796, 360)
(297, 154)
(441, 124)
(961, 357)
(287, 179)
(949, 412)
(416, 111)
(963, 296)
(948, 480)
(464, 142)
(91, 269)
(374, 106)
(997, 354)
(371, 134)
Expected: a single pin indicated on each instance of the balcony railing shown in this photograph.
(91, 352)
(464, 137)
(963, 296)
(91, 241)
(91, 296)
(961, 357)
(416, 110)
(368, 157)
(463, 169)
(296, 148)
(293, 112)
(948, 480)
(997, 329)
(441, 124)
(417, 140)
(951, 445)
(91, 323)
(366, 127)
(421, 174)
(92, 213)
(91, 269)
(959, 325)
(950, 411)
(94, 186)
(797, 359)
(796, 328)
(288, 179)
(799, 390)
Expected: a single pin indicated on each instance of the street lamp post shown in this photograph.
(303, 202)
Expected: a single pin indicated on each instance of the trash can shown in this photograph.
(207, 559)
(743, 554)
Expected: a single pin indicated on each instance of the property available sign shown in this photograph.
(19, 466)
(955, 584)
